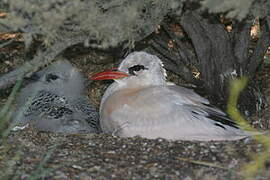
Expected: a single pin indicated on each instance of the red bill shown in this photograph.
(110, 74)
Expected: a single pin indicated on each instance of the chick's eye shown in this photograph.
(136, 68)
(51, 77)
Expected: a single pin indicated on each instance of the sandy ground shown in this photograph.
(31, 154)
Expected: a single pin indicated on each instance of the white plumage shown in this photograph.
(141, 103)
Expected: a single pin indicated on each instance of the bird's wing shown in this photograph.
(172, 112)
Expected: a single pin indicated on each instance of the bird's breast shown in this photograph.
(119, 99)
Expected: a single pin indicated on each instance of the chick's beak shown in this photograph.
(110, 74)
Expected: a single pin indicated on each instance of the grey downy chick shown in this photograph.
(56, 102)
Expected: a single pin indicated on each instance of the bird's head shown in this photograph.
(60, 76)
(137, 68)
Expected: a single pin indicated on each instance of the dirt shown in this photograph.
(30, 154)
(106, 157)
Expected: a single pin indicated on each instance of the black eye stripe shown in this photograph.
(51, 77)
(132, 69)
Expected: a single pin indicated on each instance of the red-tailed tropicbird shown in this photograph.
(141, 103)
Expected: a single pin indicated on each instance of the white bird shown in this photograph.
(141, 103)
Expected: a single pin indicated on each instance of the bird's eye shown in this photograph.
(136, 68)
(51, 77)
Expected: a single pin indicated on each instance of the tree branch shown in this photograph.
(40, 60)
(241, 42)
(263, 43)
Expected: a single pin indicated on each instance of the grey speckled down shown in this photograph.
(56, 102)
